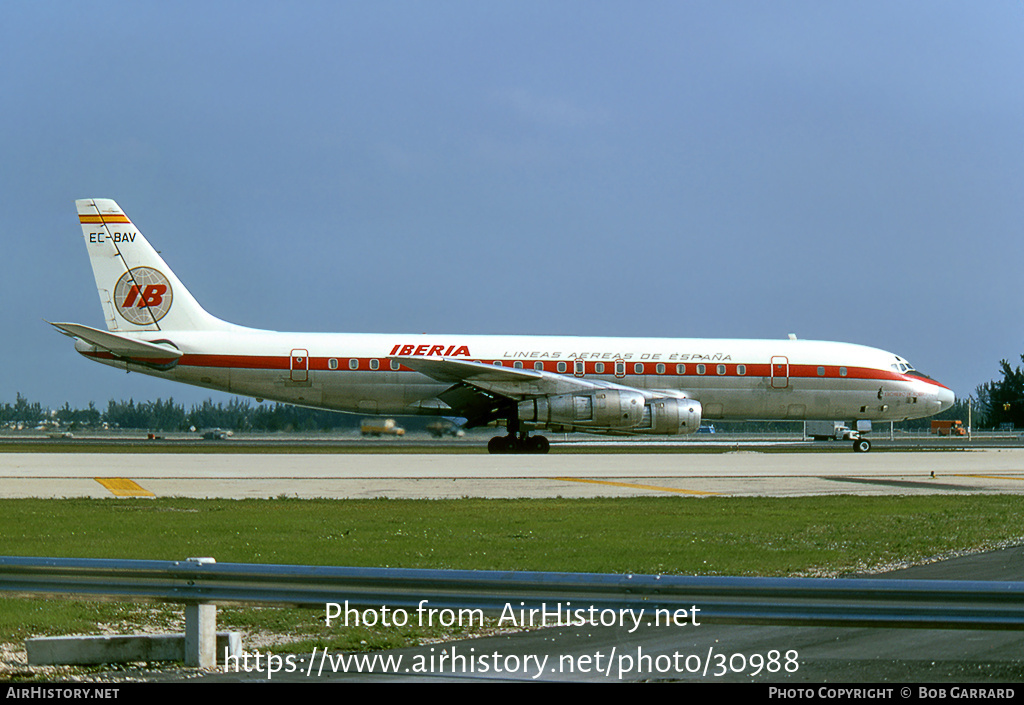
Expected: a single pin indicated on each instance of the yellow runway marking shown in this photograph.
(636, 487)
(123, 487)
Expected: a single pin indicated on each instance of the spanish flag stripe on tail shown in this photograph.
(105, 218)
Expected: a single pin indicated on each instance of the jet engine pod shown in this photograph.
(600, 409)
(670, 416)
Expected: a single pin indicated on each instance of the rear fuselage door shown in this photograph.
(780, 372)
(299, 365)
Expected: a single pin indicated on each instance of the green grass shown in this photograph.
(724, 536)
(672, 535)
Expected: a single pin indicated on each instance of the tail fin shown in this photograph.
(138, 291)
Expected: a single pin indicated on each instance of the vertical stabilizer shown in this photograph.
(138, 291)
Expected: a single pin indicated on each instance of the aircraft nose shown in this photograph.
(946, 399)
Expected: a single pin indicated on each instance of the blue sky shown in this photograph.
(842, 171)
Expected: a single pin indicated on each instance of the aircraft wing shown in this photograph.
(479, 391)
(506, 382)
(121, 346)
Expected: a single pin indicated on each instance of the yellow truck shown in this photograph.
(380, 427)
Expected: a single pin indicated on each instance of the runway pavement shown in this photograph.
(356, 475)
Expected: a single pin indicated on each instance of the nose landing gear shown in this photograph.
(861, 445)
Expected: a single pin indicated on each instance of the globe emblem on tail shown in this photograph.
(142, 296)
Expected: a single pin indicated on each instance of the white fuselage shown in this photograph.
(732, 379)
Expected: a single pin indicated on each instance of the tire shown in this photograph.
(503, 444)
(861, 445)
(538, 445)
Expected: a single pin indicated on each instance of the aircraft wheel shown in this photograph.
(861, 445)
(497, 445)
(537, 444)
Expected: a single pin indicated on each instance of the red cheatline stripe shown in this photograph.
(271, 362)
(252, 362)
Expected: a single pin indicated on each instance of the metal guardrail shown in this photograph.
(779, 601)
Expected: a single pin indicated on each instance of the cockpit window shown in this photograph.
(904, 367)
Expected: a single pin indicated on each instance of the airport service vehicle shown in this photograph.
(622, 386)
(444, 427)
(949, 428)
(216, 434)
(828, 431)
(380, 427)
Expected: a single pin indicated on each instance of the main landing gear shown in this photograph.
(518, 444)
(517, 440)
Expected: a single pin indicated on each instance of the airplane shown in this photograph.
(619, 386)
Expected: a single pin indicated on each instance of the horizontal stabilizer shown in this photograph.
(120, 345)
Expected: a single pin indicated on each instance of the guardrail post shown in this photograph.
(201, 630)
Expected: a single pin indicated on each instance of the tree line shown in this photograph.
(1001, 401)
(161, 415)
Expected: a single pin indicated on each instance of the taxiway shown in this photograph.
(439, 475)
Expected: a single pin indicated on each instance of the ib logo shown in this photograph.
(142, 296)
